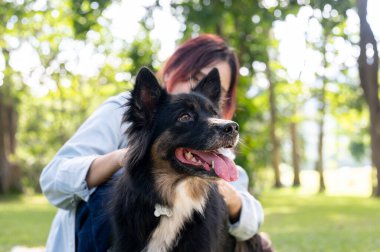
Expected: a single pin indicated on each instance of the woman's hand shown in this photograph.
(121, 156)
(103, 167)
(232, 198)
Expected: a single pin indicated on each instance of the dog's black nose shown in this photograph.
(231, 127)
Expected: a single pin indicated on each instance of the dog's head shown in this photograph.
(182, 130)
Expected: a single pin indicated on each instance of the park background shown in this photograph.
(308, 104)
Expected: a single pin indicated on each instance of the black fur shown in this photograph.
(159, 124)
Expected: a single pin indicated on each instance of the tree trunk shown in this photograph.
(10, 174)
(368, 73)
(319, 165)
(295, 154)
(275, 152)
(4, 164)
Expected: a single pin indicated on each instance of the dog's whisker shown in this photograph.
(242, 142)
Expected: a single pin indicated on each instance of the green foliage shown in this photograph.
(85, 15)
(61, 96)
(252, 115)
(246, 26)
(49, 122)
(47, 118)
(358, 149)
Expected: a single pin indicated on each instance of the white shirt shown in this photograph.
(64, 185)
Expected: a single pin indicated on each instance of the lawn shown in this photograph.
(295, 222)
(299, 223)
(24, 220)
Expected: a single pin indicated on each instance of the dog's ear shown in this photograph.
(210, 86)
(145, 96)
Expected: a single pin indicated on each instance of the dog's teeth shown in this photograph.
(194, 159)
(188, 155)
(212, 164)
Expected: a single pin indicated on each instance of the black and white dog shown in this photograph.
(167, 199)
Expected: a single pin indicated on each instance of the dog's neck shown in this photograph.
(185, 201)
(180, 196)
(167, 181)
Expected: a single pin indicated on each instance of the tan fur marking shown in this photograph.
(166, 233)
(166, 178)
(197, 188)
(184, 194)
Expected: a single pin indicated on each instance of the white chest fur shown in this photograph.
(166, 233)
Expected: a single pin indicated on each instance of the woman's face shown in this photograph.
(225, 78)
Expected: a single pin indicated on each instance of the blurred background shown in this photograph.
(308, 103)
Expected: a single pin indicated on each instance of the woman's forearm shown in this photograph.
(103, 167)
(232, 199)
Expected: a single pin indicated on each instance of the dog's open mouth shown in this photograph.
(223, 166)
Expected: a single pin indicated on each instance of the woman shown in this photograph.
(96, 152)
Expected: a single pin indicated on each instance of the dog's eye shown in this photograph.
(185, 117)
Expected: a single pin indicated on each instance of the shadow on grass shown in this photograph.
(13, 197)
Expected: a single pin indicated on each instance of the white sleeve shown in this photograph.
(251, 215)
(63, 180)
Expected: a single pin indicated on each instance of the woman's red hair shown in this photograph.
(194, 55)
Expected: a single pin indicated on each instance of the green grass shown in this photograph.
(24, 220)
(296, 223)
(321, 223)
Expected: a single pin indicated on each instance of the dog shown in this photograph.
(167, 199)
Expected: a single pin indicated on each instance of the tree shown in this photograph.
(330, 14)
(319, 165)
(247, 29)
(295, 154)
(275, 142)
(368, 73)
(56, 32)
(10, 174)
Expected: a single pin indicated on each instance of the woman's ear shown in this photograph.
(210, 86)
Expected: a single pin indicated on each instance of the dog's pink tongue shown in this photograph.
(224, 167)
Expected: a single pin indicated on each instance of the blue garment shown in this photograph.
(92, 222)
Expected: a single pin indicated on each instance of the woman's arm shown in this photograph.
(104, 167)
(246, 213)
(64, 179)
(232, 199)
